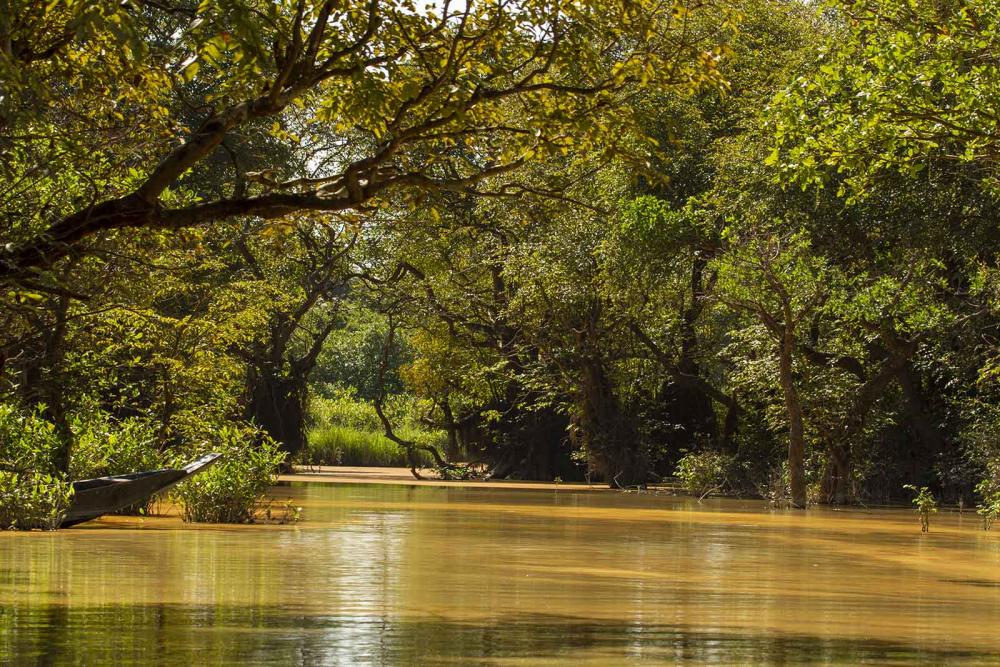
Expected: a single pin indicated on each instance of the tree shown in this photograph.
(306, 273)
(379, 96)
(773, 276)
(905, 87)
(474, 354)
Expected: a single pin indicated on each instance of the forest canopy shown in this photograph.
(748, 243)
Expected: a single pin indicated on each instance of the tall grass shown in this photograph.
(347, 446)
(345, 430)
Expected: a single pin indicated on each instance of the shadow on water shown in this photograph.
(981, 583)
(185, 634)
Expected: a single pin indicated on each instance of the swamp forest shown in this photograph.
(499, 331)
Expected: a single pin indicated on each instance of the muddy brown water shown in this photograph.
(380, 574)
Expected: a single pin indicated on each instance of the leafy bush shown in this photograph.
(989, 507)
(924, 504)
(32, 495)
(232, 491)
(102, 446)
(33, 500)
(28, 443)
(704, 472)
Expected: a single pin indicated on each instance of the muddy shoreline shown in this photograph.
(376, 475)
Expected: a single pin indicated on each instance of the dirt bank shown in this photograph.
(358, 475)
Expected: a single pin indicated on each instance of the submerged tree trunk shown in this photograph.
(793, 408)
(531, 444)
(836, 482)
(609, 440)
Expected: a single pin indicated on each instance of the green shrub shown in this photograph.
(989, 507)
(924, 504)
(232, 490)
(28, 443)
(33, 500)
(102, 446)
(32, 494)
(347, 446)
(702, 473)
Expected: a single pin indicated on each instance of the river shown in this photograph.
(381, 574)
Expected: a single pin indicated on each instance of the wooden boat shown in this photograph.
(103, 495)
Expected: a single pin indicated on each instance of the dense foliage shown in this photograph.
(232, 491)
(752, 243)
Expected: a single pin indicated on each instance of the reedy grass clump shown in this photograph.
(345, 430)
(348, 446)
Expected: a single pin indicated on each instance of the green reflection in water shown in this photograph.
(191, 635)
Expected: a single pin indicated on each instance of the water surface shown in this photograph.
(381, 574)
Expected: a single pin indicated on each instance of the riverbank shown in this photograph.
(403, 476)
(376, 475)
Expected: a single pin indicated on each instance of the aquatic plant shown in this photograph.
(702, 473)
(33, 500)
(289, 512)
(232, 491)
(925, 504)
(28, 442)
(33, 495)
(989, 507)
(105, 446)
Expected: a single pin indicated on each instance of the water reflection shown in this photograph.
(208, 635)
(406, 575)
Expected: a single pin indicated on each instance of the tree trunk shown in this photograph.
(796, 432)
(40, 383)
(836, 488)
(530, 444)
(277, 405)
(609, 440)
(688, 405)
(452, 450)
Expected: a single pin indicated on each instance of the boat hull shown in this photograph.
(103, 495)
